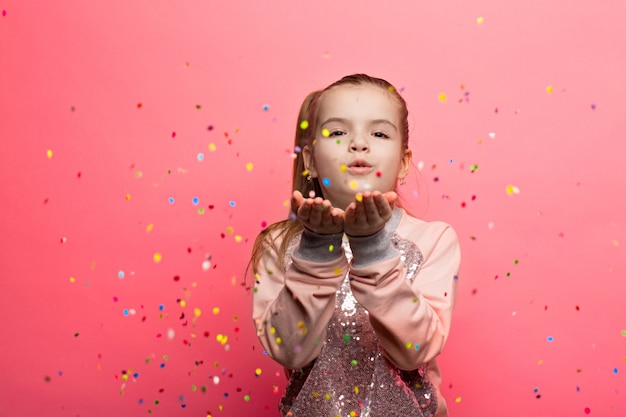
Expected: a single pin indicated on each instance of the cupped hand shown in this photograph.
(369, 213)
(317, 214)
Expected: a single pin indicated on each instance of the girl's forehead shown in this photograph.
(358, 100)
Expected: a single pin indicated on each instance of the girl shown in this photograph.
(353, 296)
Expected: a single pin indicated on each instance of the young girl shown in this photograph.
(353, 296)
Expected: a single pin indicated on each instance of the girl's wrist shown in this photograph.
(319, 247)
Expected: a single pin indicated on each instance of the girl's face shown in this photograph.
(358, 143)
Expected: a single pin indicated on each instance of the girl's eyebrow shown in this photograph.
(346, 121)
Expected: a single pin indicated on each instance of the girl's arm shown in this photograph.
(411, 319)
(292, 308)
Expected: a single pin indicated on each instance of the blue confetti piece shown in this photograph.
(232, 204)
(120, 275)
(200, 156)
(195, 200)
(171, 200)
(326, 182)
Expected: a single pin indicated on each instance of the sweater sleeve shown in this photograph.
(292, 307)
(411, 319)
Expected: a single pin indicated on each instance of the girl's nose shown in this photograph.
(358, 144)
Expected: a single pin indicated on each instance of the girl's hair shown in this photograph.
(305, 135)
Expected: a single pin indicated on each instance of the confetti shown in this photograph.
(304, 125)
(212, 147)
(326, 182)
(325, 133)
(249, 166)
(511, 190)
(353, 185)
(549, 89)
(157, 257)
(442, 97)
(49, 153)
(480, 20)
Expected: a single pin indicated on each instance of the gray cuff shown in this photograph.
(367, 250)
(319, 248)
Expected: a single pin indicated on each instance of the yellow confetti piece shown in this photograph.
(183, 303)
(343, 168)
(229, 230)
(337, 271)
(258, 371)
(305, 172)
(138, 174)
(304, 125)
(457, 400)
(353, 184)
(480, 20)
(331, 248)
(511, 189)
(72, 280)
(442, 97)
(238, 238)
(359, 196)
(391, 89)
(325, 133)
(327, 396)
(216, 310)
(127, 197)
(408, 345)
(249, 166)
(279, 340)
(149, 227)
(272, 330)
(49, 153)
(212, 147)
(157, 257)
(540, 362)
(549, 89)
(197, 312)
(356, 390)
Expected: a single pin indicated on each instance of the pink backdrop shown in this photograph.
(143, 140)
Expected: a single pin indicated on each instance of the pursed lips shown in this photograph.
(359, 167)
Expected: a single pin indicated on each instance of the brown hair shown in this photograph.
(305, 134)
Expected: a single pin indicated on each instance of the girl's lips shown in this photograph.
(359, 170)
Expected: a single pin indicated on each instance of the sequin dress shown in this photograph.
(351, 376)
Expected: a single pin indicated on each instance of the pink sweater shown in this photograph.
(408, 294)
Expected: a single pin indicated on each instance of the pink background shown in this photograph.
(108, 110)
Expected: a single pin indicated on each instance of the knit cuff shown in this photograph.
(319, 248)
(367, 250)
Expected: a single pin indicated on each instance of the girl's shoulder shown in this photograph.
(409, 223)
(426, 234)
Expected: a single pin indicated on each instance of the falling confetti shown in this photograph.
(511, 190)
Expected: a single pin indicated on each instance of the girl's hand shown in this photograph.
(317, 215)
(369, 213)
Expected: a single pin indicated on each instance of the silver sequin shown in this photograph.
(350, 374)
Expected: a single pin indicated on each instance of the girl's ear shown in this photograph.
(307, 155)
(405, 164)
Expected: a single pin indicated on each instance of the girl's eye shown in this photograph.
(381, 135)
(337, 133)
